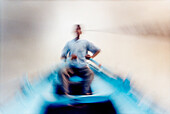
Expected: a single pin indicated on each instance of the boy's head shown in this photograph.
(78, 30)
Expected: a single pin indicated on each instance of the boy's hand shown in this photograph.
(73, 56)
(88, 56)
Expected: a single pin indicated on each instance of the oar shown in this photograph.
(103, 69)
(126, 82)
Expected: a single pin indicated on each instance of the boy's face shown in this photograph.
(78, 31)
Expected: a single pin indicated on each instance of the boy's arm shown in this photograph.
(65, 51)
(94, 55)
(92, 48)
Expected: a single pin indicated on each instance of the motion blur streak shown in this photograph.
(133, 36)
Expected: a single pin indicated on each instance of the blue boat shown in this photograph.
(110, 95)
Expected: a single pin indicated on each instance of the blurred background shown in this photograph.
(134, 37)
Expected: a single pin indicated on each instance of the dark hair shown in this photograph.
(78, 27)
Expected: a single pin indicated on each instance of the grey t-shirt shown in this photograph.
(80, 48)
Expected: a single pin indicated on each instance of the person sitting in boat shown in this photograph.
(77, 51)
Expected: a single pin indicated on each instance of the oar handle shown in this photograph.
(111, 74)
(95, 62)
